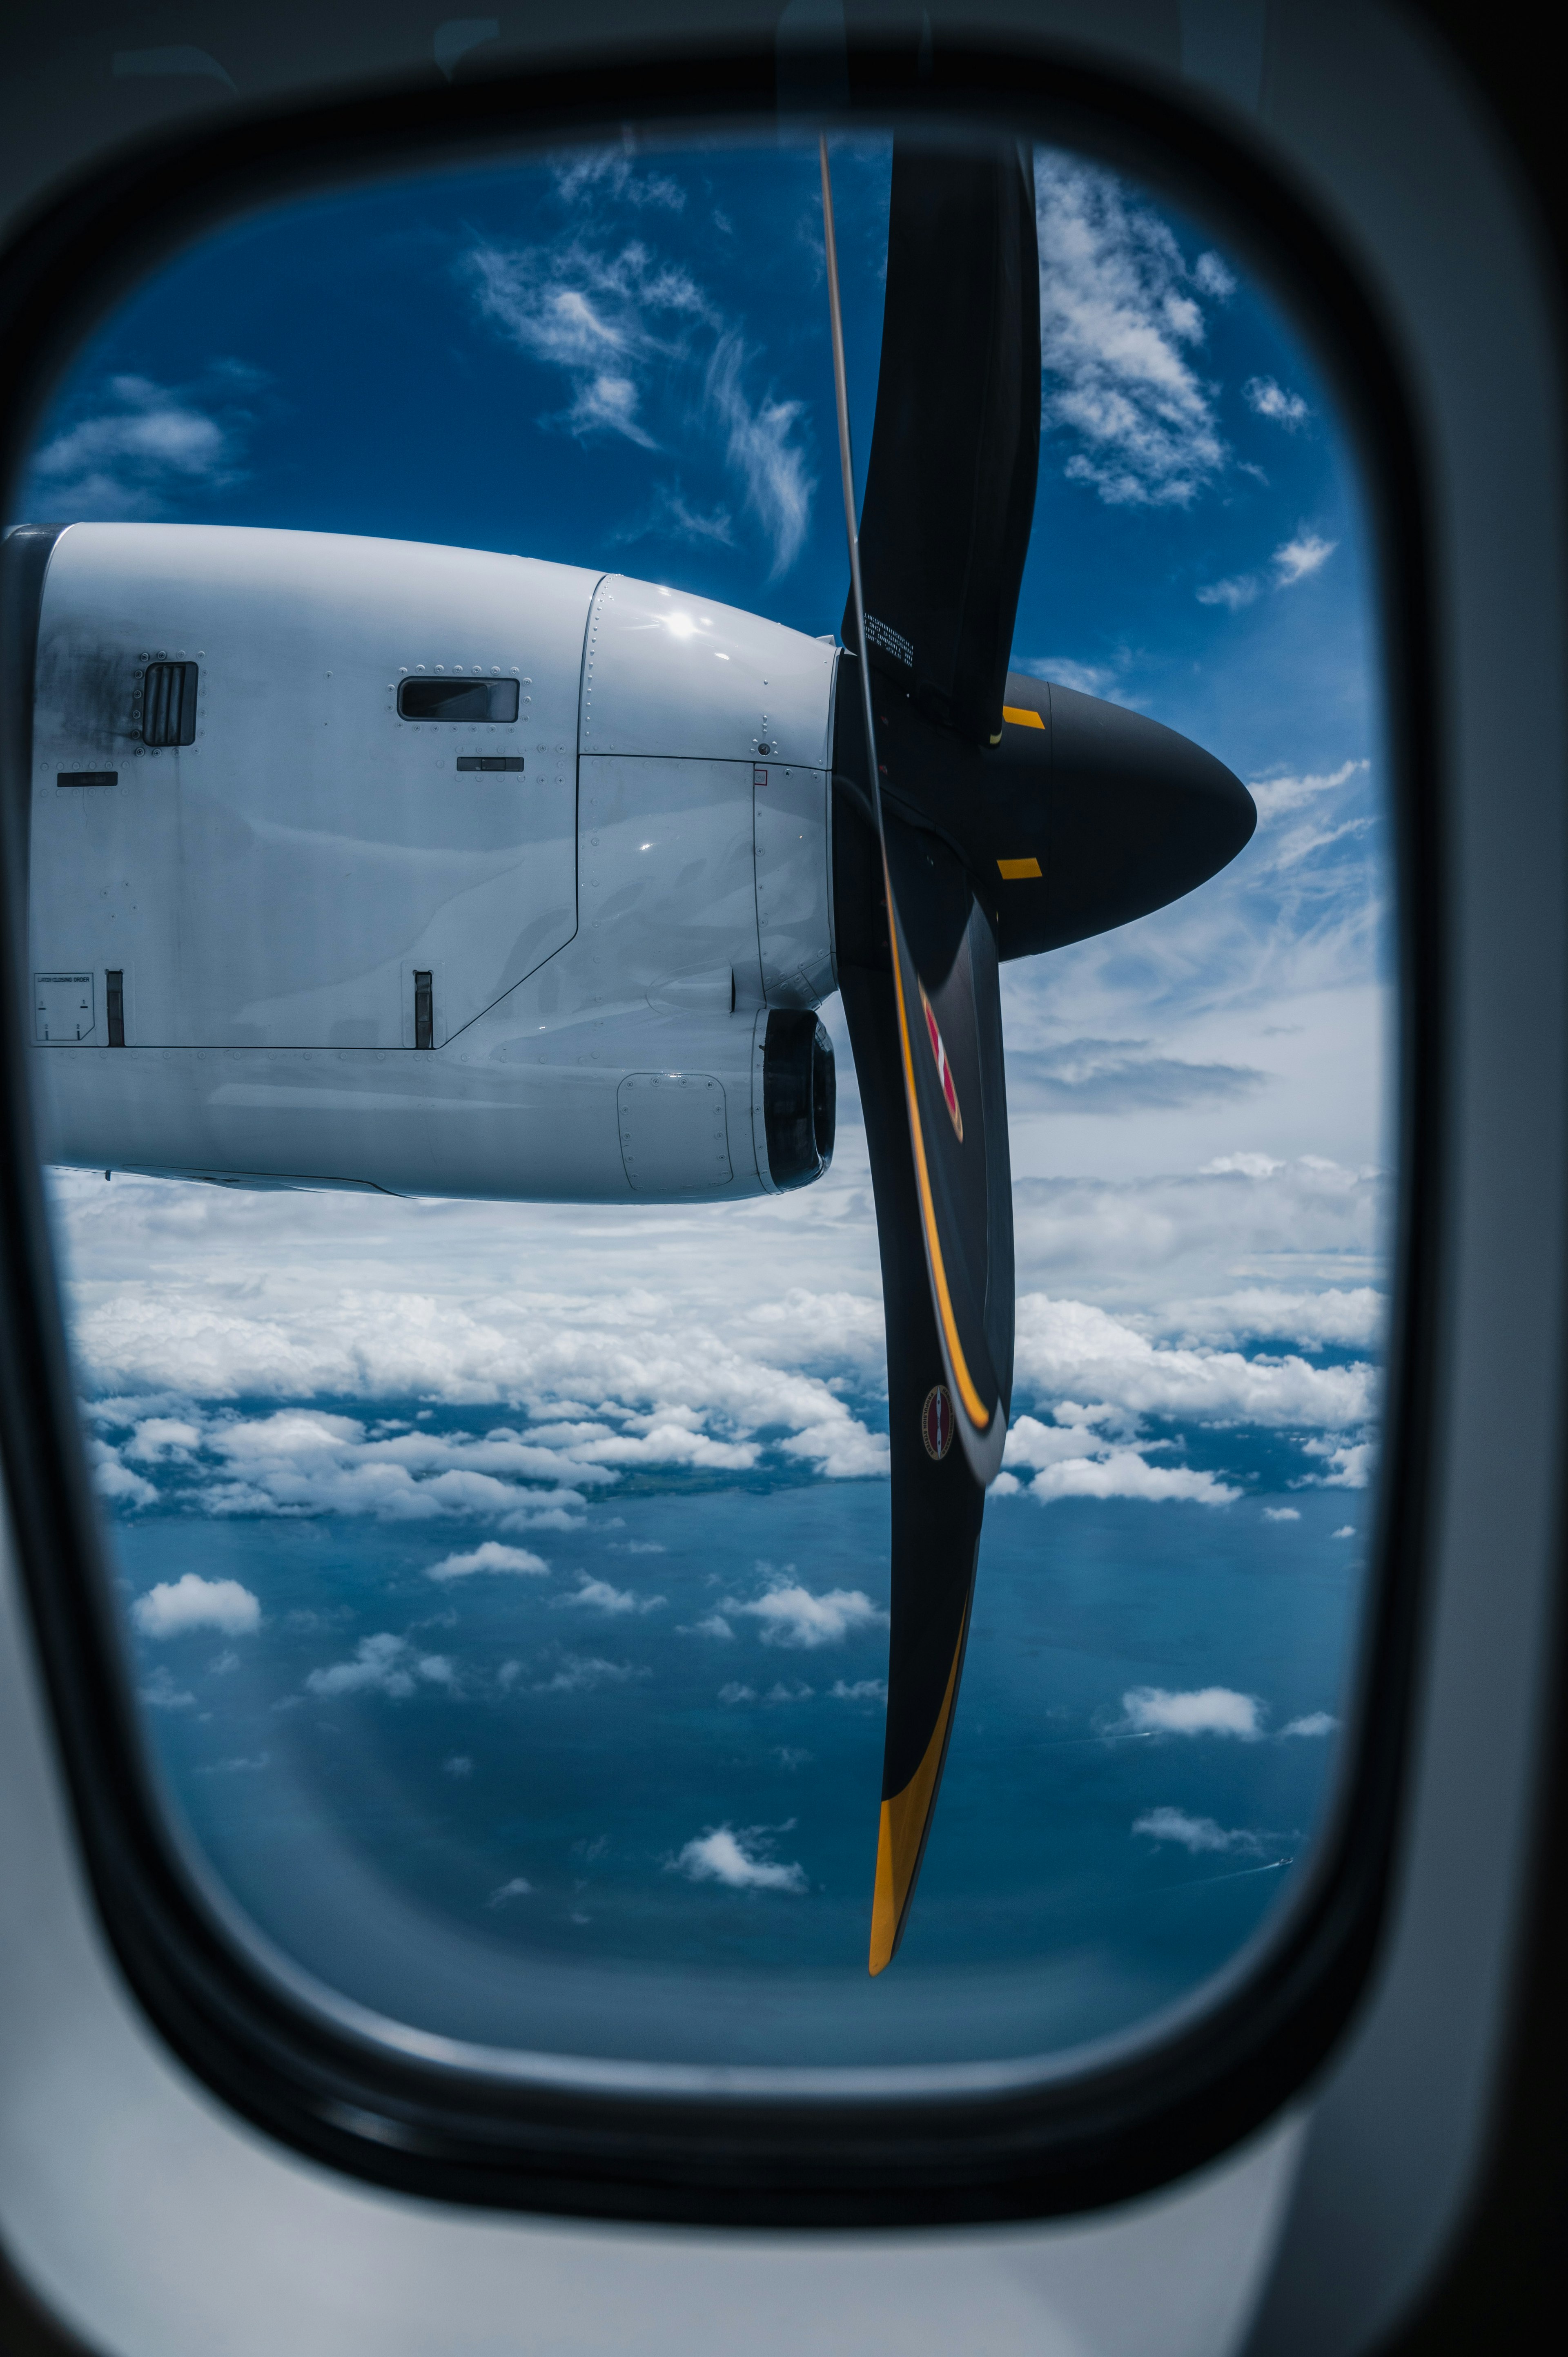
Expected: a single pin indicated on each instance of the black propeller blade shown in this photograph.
(977, 815)
(935, 574)
(955, 449)
(937, 1499)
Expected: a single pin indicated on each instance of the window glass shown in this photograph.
(458, 699)
(505, 1584)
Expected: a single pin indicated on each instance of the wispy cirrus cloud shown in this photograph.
(1121, 320)
(649, 357)
(606, 320)
(761, 451)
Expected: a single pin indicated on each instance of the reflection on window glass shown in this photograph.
(506, 1584)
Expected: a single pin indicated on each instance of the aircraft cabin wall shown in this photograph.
(305, 807)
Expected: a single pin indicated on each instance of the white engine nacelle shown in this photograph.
(358, 862)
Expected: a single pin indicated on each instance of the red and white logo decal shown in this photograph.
(944, 1071)
(936, 1422)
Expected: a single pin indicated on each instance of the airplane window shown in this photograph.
(458, 699)
(738, 1399)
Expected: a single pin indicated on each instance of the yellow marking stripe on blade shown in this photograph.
(979, 1415)
(1014, 871)
(1020, 718)
(902, 1825)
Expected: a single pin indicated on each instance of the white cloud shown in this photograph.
(735, 1693)
(860, 1689)
(626, 330)
(1118, 322)
(791, 1757)
(1282, 1514)
(163, 1439)
(583, 1675)
(1198, 1835)
(770, 464)
(1296, 559)
(1352, 1316)
(1204, 1710)
(145, 445)
(722, 1855)
(1242, 589)
(1123, 1473)
(1120, 1076)
(459, 1765)
(160, 1693)
(1292, 562)
(1249, 1166)
(116, 1481)
(1316, 1723)
(603, 174)
(1089, 679)
(1277, 796)
(713, 1624)
(1345, 1531)
(490, 1556)
(382, 1664)
(1267, 399)
(1352, 1464)
(599, 1596)
(172, 1608)
(791, 1615)
(519, 1887)
(604, 319)
(1072, 1350)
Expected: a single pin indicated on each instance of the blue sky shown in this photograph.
(623, 361)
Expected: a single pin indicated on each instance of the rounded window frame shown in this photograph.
(1221, 2066)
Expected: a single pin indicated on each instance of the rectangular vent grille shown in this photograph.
(424, 1012)
(115, 1005)
(168, 703)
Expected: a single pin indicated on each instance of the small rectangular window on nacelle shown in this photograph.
(457, 699)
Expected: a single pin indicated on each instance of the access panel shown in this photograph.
(320, 763)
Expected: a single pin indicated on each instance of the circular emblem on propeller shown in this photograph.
(936, 1422)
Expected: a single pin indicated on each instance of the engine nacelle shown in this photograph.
(364, 863)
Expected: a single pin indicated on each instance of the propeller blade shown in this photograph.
(953, 465)
(938, 1500)
(949, 486)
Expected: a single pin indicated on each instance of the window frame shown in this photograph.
(1052, 2149)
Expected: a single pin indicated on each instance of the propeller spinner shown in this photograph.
(977, 815)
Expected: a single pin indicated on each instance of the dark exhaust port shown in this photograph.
(800, 1097)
